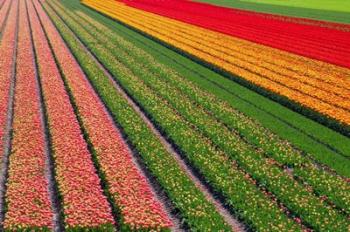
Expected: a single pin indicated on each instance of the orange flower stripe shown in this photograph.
(7, 51)
(317, 85)
(27, 195)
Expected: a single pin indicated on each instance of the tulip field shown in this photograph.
(174, 115)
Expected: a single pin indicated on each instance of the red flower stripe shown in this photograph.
(327, 24)
(187, 8)
(306, 21)
(7, 49)
(224, 14)
(27, 195)
(129, 189)
(84, 204)
(3, 12)
(316, 42)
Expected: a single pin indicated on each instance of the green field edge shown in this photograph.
(299, 12)
(327, 146)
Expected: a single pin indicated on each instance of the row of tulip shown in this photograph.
(4, 8)
(251, 204)
(324, 182)
(7, 51)
(267, 80)
(303, 21)
(254, 54)
(232, 42)
(224, 13)
(313, 22)
(128, 188)
(27, 195)
(311, 41)
(251, 33)
(194, 208)
(83, 203)
(274, 178)
(280, 150)
(320, 71)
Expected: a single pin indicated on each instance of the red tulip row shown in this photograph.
(27, 195)
(128, 188)
(305, 21)
(7, 50)
(84, 205)
(233, 18)
(3, 12)
(316, 42)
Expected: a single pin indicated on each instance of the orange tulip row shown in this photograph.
(27, 195)
(7, 49)
(4, 8)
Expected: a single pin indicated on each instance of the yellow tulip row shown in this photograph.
(323, 87)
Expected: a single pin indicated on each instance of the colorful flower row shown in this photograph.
(330, 73)
(7, 51)
(269, 59)
(305, 21)
(27, 195)
(307, 40)
(83, 202)
(3, 12)
(196, 211)
(235, 51)
(275, 179)
(324, 183)
(251, 204)
(313, 22)
(131, 193)
(250, 73)
(336, 99)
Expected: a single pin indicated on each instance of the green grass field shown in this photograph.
(337, 5)
(328, 10)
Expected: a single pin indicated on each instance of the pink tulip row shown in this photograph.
(128, 188)
(3, 11)
(27, 195)
(7, 49)
(84, 204)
